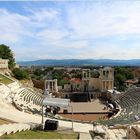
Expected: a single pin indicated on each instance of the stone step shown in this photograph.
(85, 136)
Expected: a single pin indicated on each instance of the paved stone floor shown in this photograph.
(15, 115)
(89, 107)
(9, 112)
(86, 111)
(85, 117)
(117, 133)
(85, 136)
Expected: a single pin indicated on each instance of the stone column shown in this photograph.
(56, 87)
(111, 87)
(48, 85)
(102, 85)
(51, 85)
(105, 84)
(45, 84)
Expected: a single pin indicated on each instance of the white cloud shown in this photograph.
(70, 31)
(44, 14)
(12, 26)
(78, 44)
(52, 35)
(44, 17)
(100, 21)
(110, 51)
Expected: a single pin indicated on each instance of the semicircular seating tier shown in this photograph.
(28, 100)
(130, 107)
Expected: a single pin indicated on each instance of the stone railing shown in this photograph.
(133, 132)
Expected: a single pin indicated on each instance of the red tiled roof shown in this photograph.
(66, 78)
(131, 81)
(76, 80)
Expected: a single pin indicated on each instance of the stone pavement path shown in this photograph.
(22, 117)
(85, 136)
(117, 133)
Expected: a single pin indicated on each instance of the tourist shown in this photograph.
(136, 117)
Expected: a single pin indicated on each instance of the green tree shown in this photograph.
(76, 74)
(62, 82)
(20, 74)
(95, 74)
(6, 53)
(38, 72)
(57, 74)
(121, 75)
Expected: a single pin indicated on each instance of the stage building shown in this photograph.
(88, 88)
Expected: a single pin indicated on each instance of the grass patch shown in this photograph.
(36, 134)
(5, 80)
(3, 122)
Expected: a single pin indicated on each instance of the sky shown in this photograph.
(97, 29)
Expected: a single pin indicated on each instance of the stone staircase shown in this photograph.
(85, 136)
(16, 127)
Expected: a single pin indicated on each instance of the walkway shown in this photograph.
(18, 116)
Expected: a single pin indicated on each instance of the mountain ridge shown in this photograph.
(81, 62)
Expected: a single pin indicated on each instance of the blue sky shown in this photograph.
(98, 29)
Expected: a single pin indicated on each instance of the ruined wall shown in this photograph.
(133, 132)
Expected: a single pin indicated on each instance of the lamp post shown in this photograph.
(42, 122)
(72, 116)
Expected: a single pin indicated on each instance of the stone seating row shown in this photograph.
(128, 101)
(30, 96)
(26, 99)
(4, 91)
(126, 116)
(16, 127)
(14, 86)
(129, 98)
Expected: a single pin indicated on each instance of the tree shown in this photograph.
(63, 82)
(76, 74)
(6, 53)
(121, 75)
(20, 74)
(95, 74)
(57, 74)
(38, 72)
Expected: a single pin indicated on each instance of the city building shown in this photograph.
(4, 64)
(88, 87)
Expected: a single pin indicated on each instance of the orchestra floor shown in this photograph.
(95, 106)
(85, 117)
(86, 111)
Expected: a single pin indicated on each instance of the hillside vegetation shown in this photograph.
(34, 134)
(6, 53)
(5, 80)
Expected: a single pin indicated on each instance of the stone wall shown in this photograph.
(133, 132)
(38, 84)
(4, 91)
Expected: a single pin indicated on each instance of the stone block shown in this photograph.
(133, 132)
